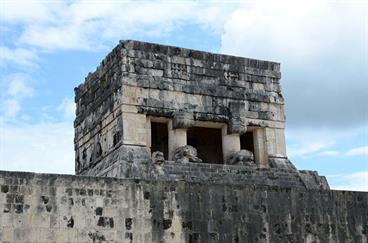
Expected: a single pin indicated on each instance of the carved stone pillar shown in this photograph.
(260, 151)
(230, 143)
(177, 138)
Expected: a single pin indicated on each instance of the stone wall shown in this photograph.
(63, 208)
(210, 173)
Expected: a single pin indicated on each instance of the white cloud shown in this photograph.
(15, 11)
(307, 142)
(322, 47)
(305, 149)
(89, 24)
(18, 87)
(14, 89)
(357, 181)
(19, 56)
(44, 147)
(9, 108)
(67, 107)
(293, 29)
(358, 151)
(329, 153)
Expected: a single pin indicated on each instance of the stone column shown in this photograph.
(276, 146)
(177, 138)
(260, 152)
(230, 143)
(148, 136)
(134, 129)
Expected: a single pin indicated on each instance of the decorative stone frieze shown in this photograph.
(183, 119)
(237, 125)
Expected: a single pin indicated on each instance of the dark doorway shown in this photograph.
(159, 138)
(246, 141)
(208, 142)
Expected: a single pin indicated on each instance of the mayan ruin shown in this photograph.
(179, 145)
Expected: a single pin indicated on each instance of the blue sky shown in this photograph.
(48, 47)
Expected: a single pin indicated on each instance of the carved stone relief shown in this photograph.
(242, 157)
(185, 154)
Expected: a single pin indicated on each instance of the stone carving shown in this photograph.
(242, 157)
(229, 75)
(183, 119)
(236, 125)
(186, 154)
(179, 70)
(158, 158)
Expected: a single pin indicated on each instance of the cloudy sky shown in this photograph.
(48, 47)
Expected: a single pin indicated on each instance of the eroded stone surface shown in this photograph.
(138, 80)
(144, 198)
(158, 158)
(242, 157)
(63, 208)
(186, 154)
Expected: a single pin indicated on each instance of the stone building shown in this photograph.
(147, 97)
(179, 145)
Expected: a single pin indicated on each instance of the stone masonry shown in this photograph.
(178, 145)
(46, 208)
(139, 83)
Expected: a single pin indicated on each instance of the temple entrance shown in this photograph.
(159, 138)
(247, 141)
(208, 142)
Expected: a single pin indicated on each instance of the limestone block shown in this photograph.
(275, 139)
(129, 108)
(7, 234)
(280, 142)
(271, 141)
(230, 143)
(132, 95)
(197, 62)
(194, 100)
(154, 94)
(260, 148)
(136, 136)
(258, 86)
(277, 111)
(157, 72)
(182, 119)
(236, 125)
(177, 138)
(178, 59)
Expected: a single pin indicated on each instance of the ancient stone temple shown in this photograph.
(179, 145)
(149, 99)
